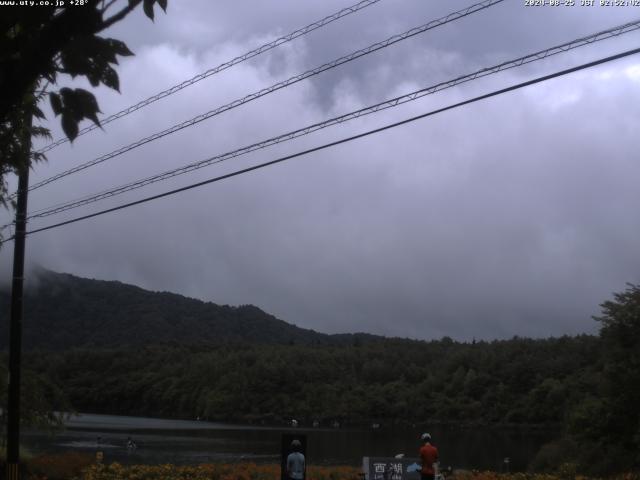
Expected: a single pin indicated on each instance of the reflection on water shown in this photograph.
(192, 442)
(113, 422)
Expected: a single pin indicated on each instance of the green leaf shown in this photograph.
(38, 113)
(40, 132)
(70, 107)
(68, 100)
(70, 126)
(86, 100)
(56, 103)
(119, 47)
(110, 78)
(94, 78)
(87, 105)
(103, 50)
(78, 104)
(147, 6)
(76, 57)
(37, 156)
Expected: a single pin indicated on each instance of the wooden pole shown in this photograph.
(15, 326)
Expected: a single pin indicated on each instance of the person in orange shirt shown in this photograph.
(428, 456)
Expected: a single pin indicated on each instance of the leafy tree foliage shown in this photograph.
(602, 432)
(115, 348)
(42, 402)
(39, 44)
(607, 421)
(620, 333)
(410, 381)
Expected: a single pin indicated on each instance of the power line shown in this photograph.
(265, 91)
(344, 140)
(588, 40)
(223, 66)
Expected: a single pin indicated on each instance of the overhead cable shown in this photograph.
(286, 83)
(223, 66)
(341, 141)
(532, 57)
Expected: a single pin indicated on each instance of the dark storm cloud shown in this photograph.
(505, 217)
(488, 37)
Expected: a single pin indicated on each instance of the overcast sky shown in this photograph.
(512, 216)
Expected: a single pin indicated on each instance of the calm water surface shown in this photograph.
(192, 442)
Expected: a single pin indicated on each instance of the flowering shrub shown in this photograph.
(61, 466)
(245, 471)
(533, 476)
(75, 467)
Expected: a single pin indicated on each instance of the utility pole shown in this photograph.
(15, 328)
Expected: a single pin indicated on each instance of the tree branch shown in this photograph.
(120, 15)
(107, 6)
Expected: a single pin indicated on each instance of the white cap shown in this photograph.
(425, 437)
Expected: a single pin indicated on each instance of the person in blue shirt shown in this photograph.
(295, 462)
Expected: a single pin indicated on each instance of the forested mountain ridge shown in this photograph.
(518, 381)
(62, 311)
(114, 348)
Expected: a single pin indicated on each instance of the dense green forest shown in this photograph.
(63, 311)
(587, 386)
(516, 381)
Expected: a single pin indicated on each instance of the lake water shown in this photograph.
(193, 442)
